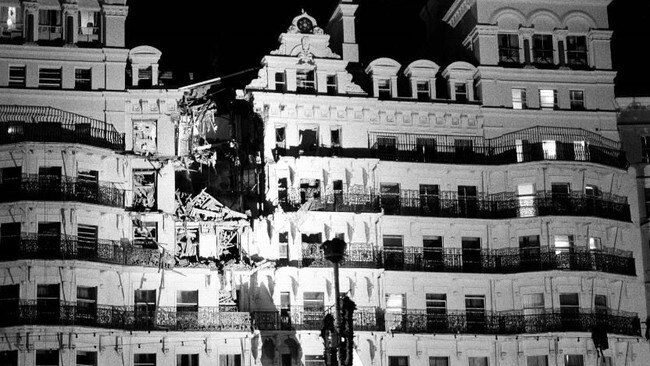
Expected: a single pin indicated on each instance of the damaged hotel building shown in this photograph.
(491, 215)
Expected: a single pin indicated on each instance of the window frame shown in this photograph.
(17, 81)
(52, 81)
(541, 55)
(519, 101)
(577, 104)
(543, 102)
(509, 53)
(83, 82)
(577, 57)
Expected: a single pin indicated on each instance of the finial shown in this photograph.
(303, 10)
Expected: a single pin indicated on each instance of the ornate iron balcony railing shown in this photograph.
(61, 313)
(61, 188)
(70, 247)
(301, 318)
(511, 322)
(504, 260)
(47, 124)
(343, 202)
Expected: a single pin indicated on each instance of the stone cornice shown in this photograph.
(480, 30)
(115, 10)
(600, 34)
(547, 76)
(456, 11)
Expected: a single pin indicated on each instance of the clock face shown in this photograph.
(305, 25)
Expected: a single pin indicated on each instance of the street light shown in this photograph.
(340, 338)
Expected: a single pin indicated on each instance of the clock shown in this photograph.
(305, 25)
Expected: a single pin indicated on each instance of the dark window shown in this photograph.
(645, 150)
(47, 303)
(390, 197)
(432, 247)
(461, 92)
(308, 140)
(283, 193)
(313, 301)
(436, 304)
(336, 137)
(393, 242)
(49, 78)
(187, 359)
(576, 50)
(384, 89)
(9, 358)
(477, 361)
(305, 81)
(280, 137)
(17, 76)
(145, 77)
(86, 358)
(144, 306)
(309, 189)
(331, 85)
(387, 147)
(10, 239)
(577, 99)
(537, 360)
(284, 245)
(398, 361)
(467, 201)
(429, 199)
(187, 301)
(573, 360)
(423, 91)
(543, 48)
(471, 253)
(48, 357)
(11, 178)
(9, 301)
(144, 359)
(82, 79)
(87, 241)
(509, 48)
(600, 305)
(280, 82)
(570, 311)
(438, 361)
(475, 311)
(145, 233)
(646, 192)
(49, 238)
(86, 304)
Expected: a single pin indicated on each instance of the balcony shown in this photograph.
(70, 247)
(41, 188)
(31, 312)
(512, 322)
(505, 205)
(322, 151)
(343, 202)
(46, 124)
(300, 318)
(455, 260)
(11, 34)
(527, 145)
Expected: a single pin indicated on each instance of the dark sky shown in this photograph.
(213, 38)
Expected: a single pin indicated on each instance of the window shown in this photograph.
(460, 90)
(230, 360)
(10, 239)
(526, 200)
(8, 18)
(48, 357)
(314, 301)
(283, 239)
(646, 193)
(280, 82)
(519, 99)
(645, 150)
(331, 85)
(533, 304)
(543, 48)
(576, 50)
(577, 98)
(541, 360)
(393, 242)
(144, 306)
(144, 136)
(49, 78)
(280, 137)
(600, 304)
(86, 304)
(396, 303)
(438, 361)
(10, 178)
(432, 250)
(9, 358)
(285, 301)
(467, 201)
(17, 76)
(570, 311)
(463, 147)
(9, 301)
(386, 147)
(145, 233)
(283, 192)
(144, 359)
(86, 241)
(573, 360)
(47, 302)
(398, 361)
(475, 312)
(335, 136)
(144, 189)
(314, 360)
(305, 81)
(548, 99)
(429, 198)
(187, 301)
(191, 359)
(86, 358)
(509, 48)
(88, 25)
(145, 76)
(595, 244)
(390, 198)
(384, 90)
(423, 91)
(477, 361)
(82, 79)
(563, 243)
(308, 137)
(49, 25)
(309, 189)
(436, 304)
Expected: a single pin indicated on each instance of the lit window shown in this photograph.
(88, 26)
(461, 92)
(548, 98)
(395, 303)
(519, 98)
(577, 98)
(331, 84)
(645, 149)
(592, 191)
(49, 78)
(576, 50)
(509, 48)
(82, 79)
(17, 76)
(8, 17)
(548, 147)
(595, 243)
(384, 88)
(314, 301)
(423, 91)
(305, 81)
(563, 243)
(543, 48)
(280, 82)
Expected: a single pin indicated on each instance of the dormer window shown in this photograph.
(49, 25)
(88, 26)
(331, 85)
(461, 92)
(423, 91)
(144, 77)
(509, 48)
(280, 82)
(576, 50)
(543, 49)
(383, 89)
(305, 81)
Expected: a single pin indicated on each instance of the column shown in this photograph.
(559, 36)
(527, 37)
(113, 19)
(70, 23)
(30, 19)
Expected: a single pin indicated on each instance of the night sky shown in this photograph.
(215, 38)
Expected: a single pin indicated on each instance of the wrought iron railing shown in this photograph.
(504, 260)
(530, 144)
(68, 247)
(505, 205)
(61, 313)
(61, 188)
(301, 318)
(47, 124)
(342, 202)
(512, 322)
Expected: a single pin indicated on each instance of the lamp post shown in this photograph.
(334, 251)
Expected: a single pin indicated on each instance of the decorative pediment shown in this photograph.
(304, 24)
(305, 40)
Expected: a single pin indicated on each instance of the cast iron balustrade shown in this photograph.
(69, 247)
(301, 318)
(343, 202)
(531, 144)
(47, 124)
(511, 322)
(322, 151)
(504, 260)
(207, 318)
(33, 187)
